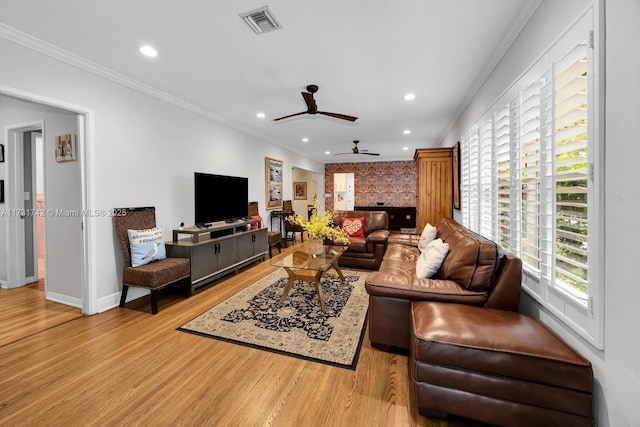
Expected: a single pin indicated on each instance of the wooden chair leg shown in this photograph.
(123, 297)
(154, 301)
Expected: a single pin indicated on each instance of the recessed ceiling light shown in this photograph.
(406, 131)
(305, 139)
(148, 51)
(405, 148)
(261, 115)
(409, 96)
(327, 152)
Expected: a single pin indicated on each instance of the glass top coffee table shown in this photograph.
(302, 265)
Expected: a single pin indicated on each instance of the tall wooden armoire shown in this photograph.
(434, 186)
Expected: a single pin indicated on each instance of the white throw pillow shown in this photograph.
(427, 236)
(431, 259)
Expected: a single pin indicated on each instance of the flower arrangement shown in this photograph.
(320, 225)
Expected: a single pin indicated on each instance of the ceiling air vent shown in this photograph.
(261, 20)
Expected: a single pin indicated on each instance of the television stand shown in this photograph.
(221, 249)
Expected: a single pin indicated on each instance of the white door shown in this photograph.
(22, 204)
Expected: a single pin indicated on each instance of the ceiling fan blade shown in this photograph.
(371, 154)
(290, 115)
(340, 154)
(311, 103)
(339, 116)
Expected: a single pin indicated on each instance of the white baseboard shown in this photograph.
(64, 299)
(113, 300)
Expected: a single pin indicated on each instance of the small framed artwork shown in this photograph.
(1, 153)
(1, 190)
(65, 147)
(456, 175)
(300, 191)
(273, 179)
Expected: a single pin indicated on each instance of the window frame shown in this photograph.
(585, 316)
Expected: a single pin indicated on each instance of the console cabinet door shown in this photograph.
(260, 242)
(227, 253)
(245, 245)
(203, 261)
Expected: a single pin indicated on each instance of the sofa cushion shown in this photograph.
(399, 252)
(446, 226)
(396, 280)
(403, 239)
(483, 339)
(472, 260)
(427, 236)
(431, 258)
(354, 227)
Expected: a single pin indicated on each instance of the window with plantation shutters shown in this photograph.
(528, 179)
(474, 182)
(502, 144)
(465, 168)
(571, 169)
(486, 180)
(529, 144)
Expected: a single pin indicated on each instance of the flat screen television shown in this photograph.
(220, 198)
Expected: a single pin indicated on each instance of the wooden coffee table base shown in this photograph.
(314, 276)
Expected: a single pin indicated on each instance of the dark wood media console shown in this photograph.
(399, 217)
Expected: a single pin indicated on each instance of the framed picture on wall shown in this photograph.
(65, 148)
(1, 153)
(300, 191)
(456, 175)
(1, 190)
(273, 179)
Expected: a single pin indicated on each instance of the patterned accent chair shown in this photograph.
(156, 275)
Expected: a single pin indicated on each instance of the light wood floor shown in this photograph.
(128, 367)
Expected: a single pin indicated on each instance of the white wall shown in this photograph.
(311, 178)
(145, 151)
(617, 368)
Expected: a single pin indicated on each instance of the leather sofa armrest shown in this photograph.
(378, 236)
(377, 242)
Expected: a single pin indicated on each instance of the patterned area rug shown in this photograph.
(298, 327)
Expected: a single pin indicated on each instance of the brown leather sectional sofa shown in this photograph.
(471, 353)
(475, 272)
(367, 251)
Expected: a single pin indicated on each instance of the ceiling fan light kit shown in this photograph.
(312, 107)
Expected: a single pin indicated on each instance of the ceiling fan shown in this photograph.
(355, 150)
(312, 108)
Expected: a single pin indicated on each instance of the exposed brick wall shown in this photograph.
(393, 183)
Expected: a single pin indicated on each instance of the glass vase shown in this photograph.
(316, 246)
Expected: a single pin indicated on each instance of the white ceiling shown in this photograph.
(364, 56)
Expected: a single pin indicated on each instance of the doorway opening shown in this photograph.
(67, 257)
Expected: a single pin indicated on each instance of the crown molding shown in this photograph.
(517, 26)
(16, 36)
